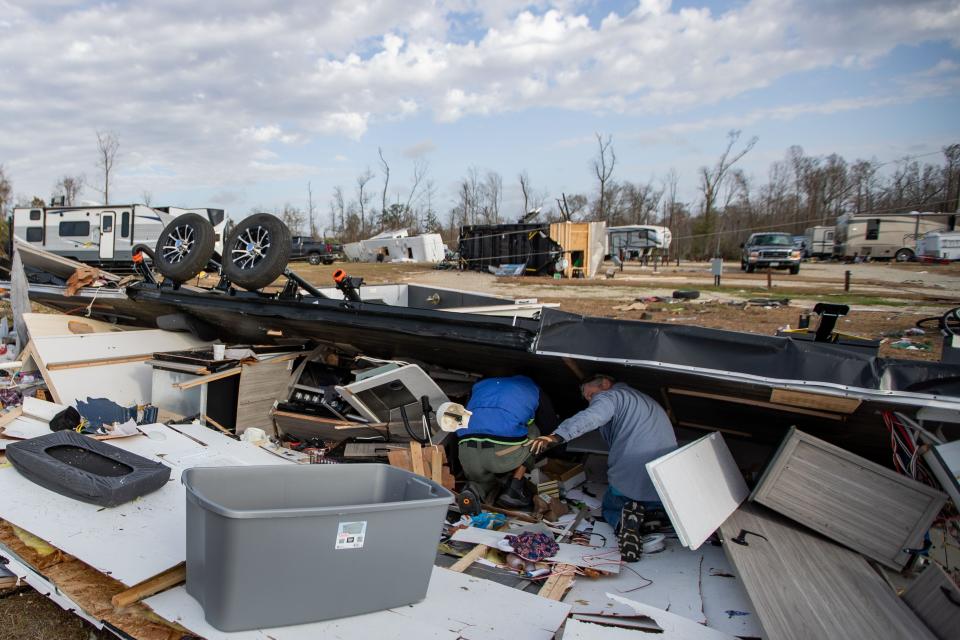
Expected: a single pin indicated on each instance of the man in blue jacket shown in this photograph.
(503, 417)
(636, 429)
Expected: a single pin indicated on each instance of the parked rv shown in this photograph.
(887, 236)
(818, 242)
(638, 241)
(940, 245)
(101, 235)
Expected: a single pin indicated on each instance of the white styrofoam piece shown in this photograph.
(146, 536)
(605, 559)
(41, 409)
(24, 428)
(456, 606)
(25, 573)
(700, 486)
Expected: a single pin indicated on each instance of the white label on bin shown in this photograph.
(350, 535)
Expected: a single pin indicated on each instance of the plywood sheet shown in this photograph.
(858, 503)
(457, 606)
(60, 324)
(146, 536)
(805, 586)
(700, 486)
(90, 373)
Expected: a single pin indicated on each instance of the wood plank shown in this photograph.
(160, 582)
(804, 586)
(10, 416)
(849, 499)
(700, 486)
(559, 581)
(436, 464)
(935, 599)
(96, 362)
(472, 556)
(416, 456)
(815, 400)
(755, 403)
(196, 382)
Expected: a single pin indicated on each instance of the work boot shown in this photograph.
(517, 496)
(631, 531)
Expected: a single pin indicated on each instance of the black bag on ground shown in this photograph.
(66, 420)
(85, 469)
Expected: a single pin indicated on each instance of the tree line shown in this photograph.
(797, 192)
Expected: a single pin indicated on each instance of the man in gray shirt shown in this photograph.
(635, 428)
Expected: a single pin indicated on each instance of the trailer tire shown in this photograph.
(184, 247)
(257, 251)
(794, 270)
(686, 294)
(751, 268)
(904, 255)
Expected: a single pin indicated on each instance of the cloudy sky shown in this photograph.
(240, 104)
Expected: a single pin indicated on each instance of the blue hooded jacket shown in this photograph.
(502, 407)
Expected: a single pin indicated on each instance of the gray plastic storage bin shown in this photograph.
(272, 546)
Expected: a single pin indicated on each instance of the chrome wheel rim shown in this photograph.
(250, 247)
(178, 244)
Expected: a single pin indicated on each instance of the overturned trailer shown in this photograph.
(749, 386)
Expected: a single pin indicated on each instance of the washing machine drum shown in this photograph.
(85, 469)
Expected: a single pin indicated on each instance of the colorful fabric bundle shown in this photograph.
(533, 546)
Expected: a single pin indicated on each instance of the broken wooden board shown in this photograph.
(145, 535)
(575, 554)
(456, 606)
(804, 586)
(935, 599)
(78, 588)
(809, 400)
(700, 486)
(858, 503)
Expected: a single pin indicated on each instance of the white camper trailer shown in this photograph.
(819, 242)
(887, 236)
(940, 245)
(397, 246)
(638, 240)
(101, 235)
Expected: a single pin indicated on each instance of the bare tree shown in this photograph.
(712, 178)
(386, 181)
(338, 208)
(493, 197)
(147, 197)
(525, 189)
(420, 168)
(311, 210)
(363, 198)
(569, 207)
(70, 188)
(603, 166)
(293, 218)
(107, 145)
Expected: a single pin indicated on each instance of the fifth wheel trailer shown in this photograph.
(101, 235)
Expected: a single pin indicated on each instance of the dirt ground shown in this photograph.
(28, 615)
(885, 298)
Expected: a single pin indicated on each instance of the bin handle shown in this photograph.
(429, 485)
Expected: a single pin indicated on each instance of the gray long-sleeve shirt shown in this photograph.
(635, 428)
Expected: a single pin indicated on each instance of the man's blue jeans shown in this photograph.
(613, 502)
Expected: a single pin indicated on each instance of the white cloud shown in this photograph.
(206, 88)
